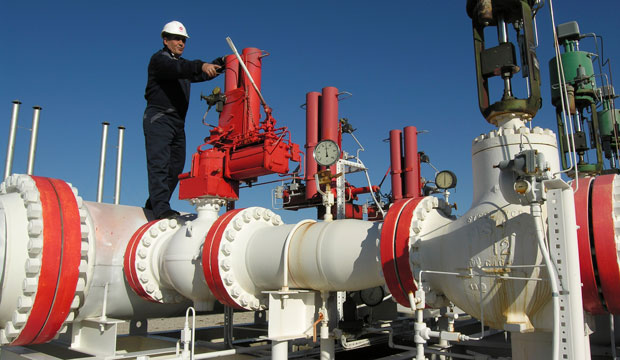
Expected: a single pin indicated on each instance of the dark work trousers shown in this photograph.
(164, 136)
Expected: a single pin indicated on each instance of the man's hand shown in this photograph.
(210, 69)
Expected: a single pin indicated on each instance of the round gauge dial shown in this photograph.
(445, 179)
(326, 152)
(522, 186)
(373, 296)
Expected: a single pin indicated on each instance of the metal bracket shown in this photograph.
(292, 314)
(95, 336)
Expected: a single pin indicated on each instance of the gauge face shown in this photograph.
(522, 186)
(445, 179)
(373, 296)
(326, 153)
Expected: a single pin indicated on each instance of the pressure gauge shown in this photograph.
(326, 152)
(445, 179)
(373, 296)
(522, 186)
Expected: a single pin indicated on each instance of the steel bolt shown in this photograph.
(146, 242)
(230, 234)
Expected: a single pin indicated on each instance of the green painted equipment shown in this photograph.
(594, 130)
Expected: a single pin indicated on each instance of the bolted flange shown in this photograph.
(224, 256)
(55, 249)
(140, 263)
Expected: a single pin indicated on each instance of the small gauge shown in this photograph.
(445, 179)
(373, 296)
(522, 186)
(326, 152)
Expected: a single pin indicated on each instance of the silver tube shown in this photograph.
(502, 37)
(33, 139)
(502, 31)
(11, 144)
(119, 165)
(577, 120)
(104, 140)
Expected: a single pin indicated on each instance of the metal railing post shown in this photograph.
(33, 139)
(119, 165)
(11, 144)
(104, 140)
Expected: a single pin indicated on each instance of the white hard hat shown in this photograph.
(174, 28)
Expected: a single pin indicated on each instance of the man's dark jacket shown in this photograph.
(169, 78)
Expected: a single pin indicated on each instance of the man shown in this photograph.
(167, 96)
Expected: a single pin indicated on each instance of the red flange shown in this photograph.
(604, 234)
(591, 299)
(401, 247)
(589, 290)
(60, 262)
(129, 262)
(69, 268)
(210, 263)
(395, 249)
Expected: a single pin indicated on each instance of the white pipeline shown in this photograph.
(326, 256)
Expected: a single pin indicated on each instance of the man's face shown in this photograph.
(175, 43)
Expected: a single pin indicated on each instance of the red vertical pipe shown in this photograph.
(329, 117)
(395, 162)
(312, 137)
(412, 167)
(231, 81)
(252, 59)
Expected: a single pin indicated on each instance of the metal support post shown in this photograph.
(340, 195)
(326, 343)
(565, 254)
(279, 350)
(119, 165)
(11, 143)
(33, 139)
(228, 326)
(104, 140)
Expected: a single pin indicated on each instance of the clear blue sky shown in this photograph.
(405, 62)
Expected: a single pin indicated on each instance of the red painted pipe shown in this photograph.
(396, 164)
(312, 137)
(252, 58)
(231, 81)
(329, 117)
(412, 163)
(363, 190)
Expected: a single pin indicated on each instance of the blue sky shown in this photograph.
(405, 62)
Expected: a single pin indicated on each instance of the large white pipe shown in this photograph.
(325, 256)
(33, 139)
(119, 165)
(104, 140)
(10, 147)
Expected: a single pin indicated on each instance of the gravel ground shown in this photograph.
(176, 323)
